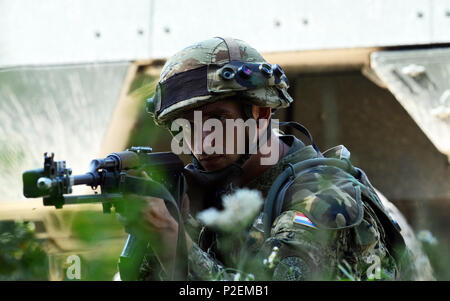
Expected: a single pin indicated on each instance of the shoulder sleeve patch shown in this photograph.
(327, 198)
(301, 219)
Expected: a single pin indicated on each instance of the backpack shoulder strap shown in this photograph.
(274, 202)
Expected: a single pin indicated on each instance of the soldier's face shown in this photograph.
(198, 144)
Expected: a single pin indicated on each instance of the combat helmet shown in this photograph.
(215, 69)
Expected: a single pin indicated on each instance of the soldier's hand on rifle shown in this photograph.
(148, 218)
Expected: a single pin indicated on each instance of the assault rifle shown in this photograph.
(114, 176)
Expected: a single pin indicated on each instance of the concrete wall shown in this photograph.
(67, 31)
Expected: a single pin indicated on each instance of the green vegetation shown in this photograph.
(22, 256)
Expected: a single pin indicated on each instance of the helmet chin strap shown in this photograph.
(207, 187)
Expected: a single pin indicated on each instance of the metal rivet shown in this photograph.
(305, 21)
(227, 73)
(277, 23)
(98, 34)
(166, 29)
(419, 14)
(266, 70)
(140, 31)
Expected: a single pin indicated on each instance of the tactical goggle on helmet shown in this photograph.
(259, 83)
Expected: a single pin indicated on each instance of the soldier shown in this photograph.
(322, 220)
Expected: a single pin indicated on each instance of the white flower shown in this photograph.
(272, 259)
(240, 208)
(426, 236)
(237, 277)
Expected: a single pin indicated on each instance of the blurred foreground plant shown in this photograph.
(240, 209)
(22, 256)
(101, 239)
(437, 252)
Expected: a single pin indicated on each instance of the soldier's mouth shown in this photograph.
(210, 158)
(212, 162)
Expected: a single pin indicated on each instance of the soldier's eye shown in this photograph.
(220, 117)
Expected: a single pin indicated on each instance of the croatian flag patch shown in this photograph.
(300, 218)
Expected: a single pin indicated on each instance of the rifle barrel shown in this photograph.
(88, 179)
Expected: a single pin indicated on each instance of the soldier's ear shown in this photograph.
(261, 112)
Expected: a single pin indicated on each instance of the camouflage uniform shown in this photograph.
(345, 238)
(347, 232)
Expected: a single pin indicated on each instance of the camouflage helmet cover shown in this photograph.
(213, 69)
